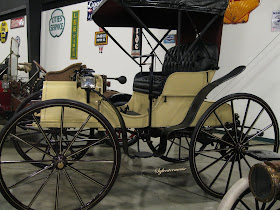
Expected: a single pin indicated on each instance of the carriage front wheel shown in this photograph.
(223, 137)
(52, 177)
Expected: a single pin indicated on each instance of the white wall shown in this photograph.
(55, 52)
(251, 44)
(23, 50)
(254, 45)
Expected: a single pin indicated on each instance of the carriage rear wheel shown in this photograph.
(65, 181)
(219, 151)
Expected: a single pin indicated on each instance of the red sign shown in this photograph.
(17, 22)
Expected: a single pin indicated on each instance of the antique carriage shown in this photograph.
(13, 88)
(66, 146)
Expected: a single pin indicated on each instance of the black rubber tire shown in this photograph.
(215, 150)
(247, 201)
(16, 183)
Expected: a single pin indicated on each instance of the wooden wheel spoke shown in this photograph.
(29, 177)
(245, 205)
(221, 170)
(252, 125)
(77, 134)
(41, 189)
(257, 134)
(57, 190)
(217, 138)
(244, 119)
(73, 187)
(170, 147)
(229, 175)
(25, 142)
(224, 128)
(84, 148)
(213, 163)
(86, 176)
(44, 134)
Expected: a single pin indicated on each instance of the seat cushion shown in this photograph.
(196, 60)
(142, 83)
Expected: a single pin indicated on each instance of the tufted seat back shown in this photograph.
(196, 60)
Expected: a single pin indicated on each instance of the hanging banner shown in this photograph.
(275, 26)
(92, 5)
(74, 34)
(57, 23)
(136, 41)
(17, 22)
(4, 31)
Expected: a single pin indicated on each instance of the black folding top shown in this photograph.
(209, 6)
(154, 13)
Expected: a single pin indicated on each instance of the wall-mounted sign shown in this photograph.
(57, 23)
(17, 22)
(91, 7)
(74, 34)
(4, 31)
(275, 26)
(170, 39)
(136, 41)
(238, 10)
(101, 38)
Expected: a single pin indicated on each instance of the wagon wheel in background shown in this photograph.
(247, 201)
(177, 149)
(132, 137)
(219, 153)
(64, 182)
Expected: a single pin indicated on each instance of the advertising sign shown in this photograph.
(75, 34)
(4, 31)
(17, 22)
(57, 23)
(101, 38)
(91, 7)
(275, 21)
(136, 41)
(170, 39)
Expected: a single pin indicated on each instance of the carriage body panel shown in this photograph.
(169, 108)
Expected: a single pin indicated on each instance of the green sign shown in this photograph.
(74, 34)
(57, 23)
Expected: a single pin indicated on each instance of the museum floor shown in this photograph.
(138, 186)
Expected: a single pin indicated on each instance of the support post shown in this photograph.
(33, 16)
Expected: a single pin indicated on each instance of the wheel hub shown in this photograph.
(60, 162)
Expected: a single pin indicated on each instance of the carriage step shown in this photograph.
(263, 155)
(143, 154)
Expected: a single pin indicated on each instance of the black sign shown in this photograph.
(136, 41)
(101, 38)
